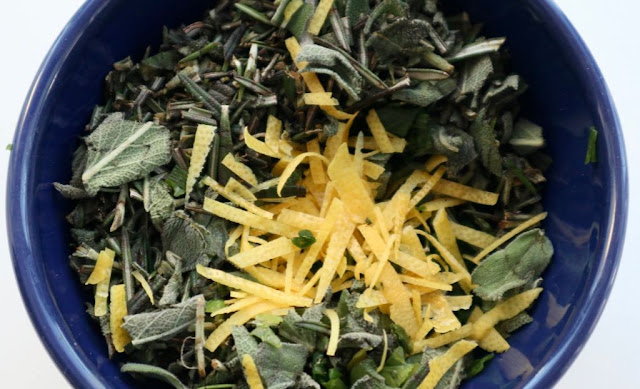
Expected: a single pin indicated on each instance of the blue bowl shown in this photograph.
(587, 204)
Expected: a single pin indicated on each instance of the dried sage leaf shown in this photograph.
(121, 151)
(518, 264)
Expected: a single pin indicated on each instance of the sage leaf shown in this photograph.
(187, 239)
(164, 61)
(426, 92)
(120, 151)
(366, 368)
(486, 144)
(475, 74)
(507, 90)
(161, 202)
(160, 325)
(173, 287)
(305, 381)
(518, 264)
(391, 7)
(398, 120)
(70, 191)
(356, 10)
(243, 341)
(267, 335)
(290, 331)
(154, 372)
(280, 367)
(327, 61)
(527, 137)
(359, 340)
(477, 49)
(369, 382)
(399, 40)
(298, 23)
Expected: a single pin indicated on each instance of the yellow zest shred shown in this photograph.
(473, 237)
(439, 365)
(201, 145)
(239, 169)
(270, 250)
(145, 285)
(319, 16)
(506, 237)
(251, 372)
(319, 98)
(237, 199)
(117, 311)
(335, 331)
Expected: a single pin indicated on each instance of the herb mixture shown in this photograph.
(290, 195)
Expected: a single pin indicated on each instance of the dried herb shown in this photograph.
(433, 81)
(304, 239)
(592, 156)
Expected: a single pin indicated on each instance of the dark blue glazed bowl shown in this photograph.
(587, 204)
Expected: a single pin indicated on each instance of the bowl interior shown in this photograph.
(566, 97)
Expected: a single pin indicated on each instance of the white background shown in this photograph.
(610, 29)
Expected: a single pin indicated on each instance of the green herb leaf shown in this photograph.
(399, 40)
(518, 264)
(214, 305)
(154, 65)
(161, 202)
(365, 368)
(177, 181)
(121, 151)
(304, 239)
(244, 342)
(162, 324)
(187, 239)
(478, 365)
(173, 288)
(154, 372)
(356, 10)
(280, 367)
(9, 147)
(475, 74)
(298, 23)
(426, 92)
(527, 137)
(396, 370)
(398, 120)
(592, 156)
(326, 61)
(70, 191)
(386, 7)
(506, 327)
(265, 334)
(485, 140)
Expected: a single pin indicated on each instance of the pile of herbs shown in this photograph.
(433, 79)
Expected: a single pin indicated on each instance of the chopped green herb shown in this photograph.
(592, 147)
(304, 239)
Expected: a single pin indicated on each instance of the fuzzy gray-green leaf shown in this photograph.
(187, 239)
(161, 202)
(280, 367)
(400, 39)
(120, 151)
(521, 262)
(244, 342)
(324, 60)
(475, 74)
(163, 324)
(486, 144)
(426, 93)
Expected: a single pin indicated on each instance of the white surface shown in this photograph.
(27, 30)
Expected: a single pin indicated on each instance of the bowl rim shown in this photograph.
(76, 367)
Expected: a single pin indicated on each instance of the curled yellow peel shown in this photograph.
(439, 365)
(251, 372)
(118, 310)
(335, 331)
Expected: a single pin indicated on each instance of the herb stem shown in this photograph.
(403, 83)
